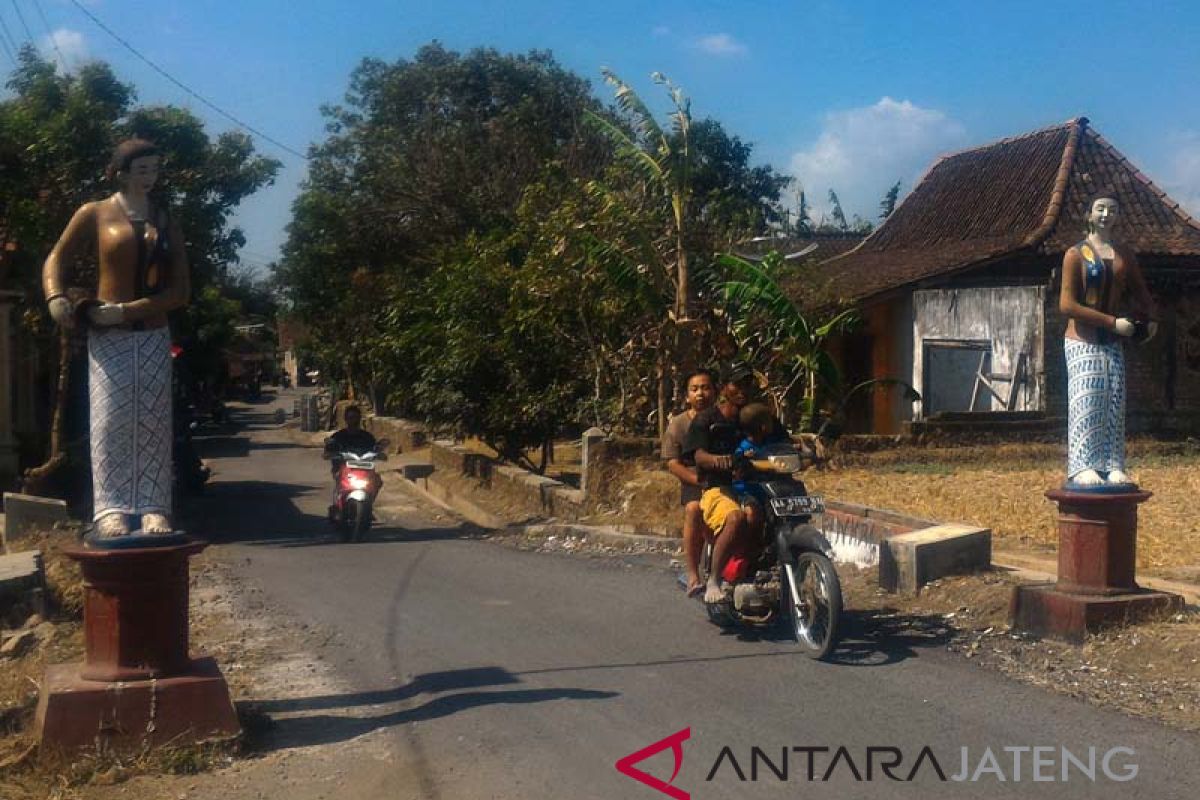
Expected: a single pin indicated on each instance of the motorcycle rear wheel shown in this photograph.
(811, 600)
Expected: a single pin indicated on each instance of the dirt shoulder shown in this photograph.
(1150, 670)
(272, 662)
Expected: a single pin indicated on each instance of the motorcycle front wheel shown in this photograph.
(811, 597)
(360, 519)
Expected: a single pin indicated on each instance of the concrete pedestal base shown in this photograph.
(76, 714)
(1046, 610)
(1097, 554)
(137, 686)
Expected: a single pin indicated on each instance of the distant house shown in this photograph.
(962, 279)
(293, 335)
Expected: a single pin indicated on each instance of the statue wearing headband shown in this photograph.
(143, 274)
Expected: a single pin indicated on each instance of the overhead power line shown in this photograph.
(6, 39)
(50, 34)
(20, 16)
(181, 85)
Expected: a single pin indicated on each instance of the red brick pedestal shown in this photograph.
(137, 685)
(1097, 556)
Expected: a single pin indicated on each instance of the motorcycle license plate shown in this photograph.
(798, 506)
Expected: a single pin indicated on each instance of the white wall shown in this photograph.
(1011, 318)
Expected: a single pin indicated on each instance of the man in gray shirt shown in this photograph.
(701, 393)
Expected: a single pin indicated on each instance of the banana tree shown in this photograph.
(789, 349)
(664, 161)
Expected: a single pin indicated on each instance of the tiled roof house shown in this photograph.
(964, 272)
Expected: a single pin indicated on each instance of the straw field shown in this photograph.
(1002, 487)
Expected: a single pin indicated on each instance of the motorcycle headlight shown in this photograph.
(358, 483)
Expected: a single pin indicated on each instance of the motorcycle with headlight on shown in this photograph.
(358, 484)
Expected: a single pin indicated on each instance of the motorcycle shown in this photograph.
(358, 484)
(789, 578)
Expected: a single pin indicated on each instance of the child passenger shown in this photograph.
(759, 430)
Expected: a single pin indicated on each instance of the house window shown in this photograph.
(949, 375)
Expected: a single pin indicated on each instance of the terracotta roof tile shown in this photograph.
(1024, 192)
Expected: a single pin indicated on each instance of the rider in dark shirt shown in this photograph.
(350, 439)
(710, 442)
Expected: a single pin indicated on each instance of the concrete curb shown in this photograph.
(442, 497)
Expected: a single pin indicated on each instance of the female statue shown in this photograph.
(143, 274)
(1098, 273)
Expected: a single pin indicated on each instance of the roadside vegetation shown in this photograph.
(485, 244)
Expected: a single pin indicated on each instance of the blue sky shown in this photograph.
(849, 95)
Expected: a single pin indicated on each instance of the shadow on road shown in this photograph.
(878, 637)
(428, 683)
(266, 513)
(273, 733)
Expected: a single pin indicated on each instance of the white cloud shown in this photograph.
(70, 44)
(720, 44)
(1183, 177)
(861, 152)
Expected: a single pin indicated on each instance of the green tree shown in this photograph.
(701, 176)
(57, 132)
(422, 155)
(839, 216)
(888, 204)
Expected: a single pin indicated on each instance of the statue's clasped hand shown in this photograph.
(62, 312)
(107, 314)
(1142, 330)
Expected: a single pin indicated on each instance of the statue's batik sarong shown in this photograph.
(129, 377)
(1096, 407)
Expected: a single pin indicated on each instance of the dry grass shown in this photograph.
(25, 773)
(1001, 487)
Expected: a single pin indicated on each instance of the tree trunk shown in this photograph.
(37, 479)
(662, 387)
(683, 295)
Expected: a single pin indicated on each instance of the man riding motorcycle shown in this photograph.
(350, 439)
(711, 449)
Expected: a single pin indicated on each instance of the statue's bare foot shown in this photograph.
(156, 523)
(1089, 477)
(112, 525)
(713, 593)
(1118, 476)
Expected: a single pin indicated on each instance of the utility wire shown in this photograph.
(50, 34)
(178, 83)
(21, 17)
(6, 39)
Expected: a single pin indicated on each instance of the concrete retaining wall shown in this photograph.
(512, 485)
(404, 436)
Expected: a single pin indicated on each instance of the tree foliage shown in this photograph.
(888, 204)
(57, 132)
(483, 244)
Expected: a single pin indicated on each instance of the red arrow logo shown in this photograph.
(675, 742)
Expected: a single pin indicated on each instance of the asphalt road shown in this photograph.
(493, 672)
